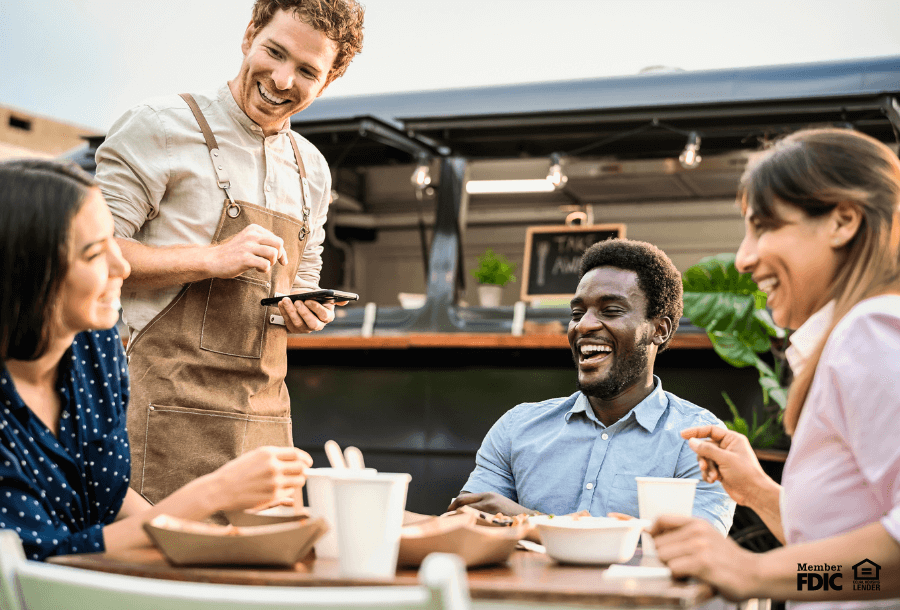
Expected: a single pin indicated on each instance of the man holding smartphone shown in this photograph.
(217, 206)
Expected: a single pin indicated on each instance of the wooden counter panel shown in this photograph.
(460, 340)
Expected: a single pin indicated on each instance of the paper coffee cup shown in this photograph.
(320, 493)
(663, 496)
(369, 511)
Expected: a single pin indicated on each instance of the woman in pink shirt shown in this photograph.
(822, 219)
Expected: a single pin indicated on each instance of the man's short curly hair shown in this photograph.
(657, 275)
(340, 20)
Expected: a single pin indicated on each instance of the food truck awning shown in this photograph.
(731, 109)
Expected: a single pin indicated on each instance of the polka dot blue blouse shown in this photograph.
(58, 493)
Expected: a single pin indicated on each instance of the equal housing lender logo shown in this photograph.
(825, 577)
(866, 576)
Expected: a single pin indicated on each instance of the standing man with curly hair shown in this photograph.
(218, 204)
(583, 452)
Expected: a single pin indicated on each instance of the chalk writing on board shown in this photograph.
(553, 257)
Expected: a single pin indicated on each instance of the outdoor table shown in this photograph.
(528, 579)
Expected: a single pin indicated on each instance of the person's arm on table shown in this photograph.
(728, 458)
(253, 480)
(133, 504)
(490, 502)
(691, 547)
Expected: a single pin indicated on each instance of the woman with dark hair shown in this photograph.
(64, 454)
(822, 219)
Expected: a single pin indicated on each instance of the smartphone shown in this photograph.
(322, 296)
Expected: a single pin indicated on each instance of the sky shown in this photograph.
(87, 61)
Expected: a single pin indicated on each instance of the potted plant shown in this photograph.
(494, 271)
(731, 308)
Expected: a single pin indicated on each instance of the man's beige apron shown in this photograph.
(207, 373)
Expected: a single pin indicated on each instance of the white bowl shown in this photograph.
(589, 540)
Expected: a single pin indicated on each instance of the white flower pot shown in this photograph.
(489, 295)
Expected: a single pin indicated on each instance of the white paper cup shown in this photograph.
(369, 513)
(320, 492)
(662, 496)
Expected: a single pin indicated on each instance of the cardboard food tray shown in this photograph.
(459, 534)
(185, 542)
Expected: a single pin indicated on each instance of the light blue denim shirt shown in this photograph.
(557, 458)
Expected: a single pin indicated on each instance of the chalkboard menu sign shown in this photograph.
(553, 257)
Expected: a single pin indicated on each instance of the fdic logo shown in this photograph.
(825, 577)
(815, 577)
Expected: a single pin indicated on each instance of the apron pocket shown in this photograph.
(184, 444)
(234, 321)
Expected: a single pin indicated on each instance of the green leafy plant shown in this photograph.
(731, 308)
(761, 435)
(494, 268)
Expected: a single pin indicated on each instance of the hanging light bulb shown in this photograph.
(421, 178)
(690, 156)
(556, 176)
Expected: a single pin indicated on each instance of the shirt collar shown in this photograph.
(227, 98)
(646, 413)
(805, 339)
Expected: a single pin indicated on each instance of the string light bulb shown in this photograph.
(421, 177)
(556, 176)
(690, 156)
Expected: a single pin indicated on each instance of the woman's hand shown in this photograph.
(728, 458)
(259, 478)
(693, 547)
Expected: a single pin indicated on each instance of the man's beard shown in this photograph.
(624, 373)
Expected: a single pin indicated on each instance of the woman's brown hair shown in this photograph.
(38, 200)
(815, 170)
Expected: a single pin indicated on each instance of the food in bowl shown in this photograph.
(589, 540)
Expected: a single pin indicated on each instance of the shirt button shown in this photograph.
(268, 188)
(590, 486)
(604, 436)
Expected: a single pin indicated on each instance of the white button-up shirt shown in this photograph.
(157, 177)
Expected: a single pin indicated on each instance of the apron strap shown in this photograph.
(300, 165)
(304, 183)
(219, 167)
(213, 146)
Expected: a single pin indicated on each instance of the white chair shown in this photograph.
(11, 555)
(31, 585)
